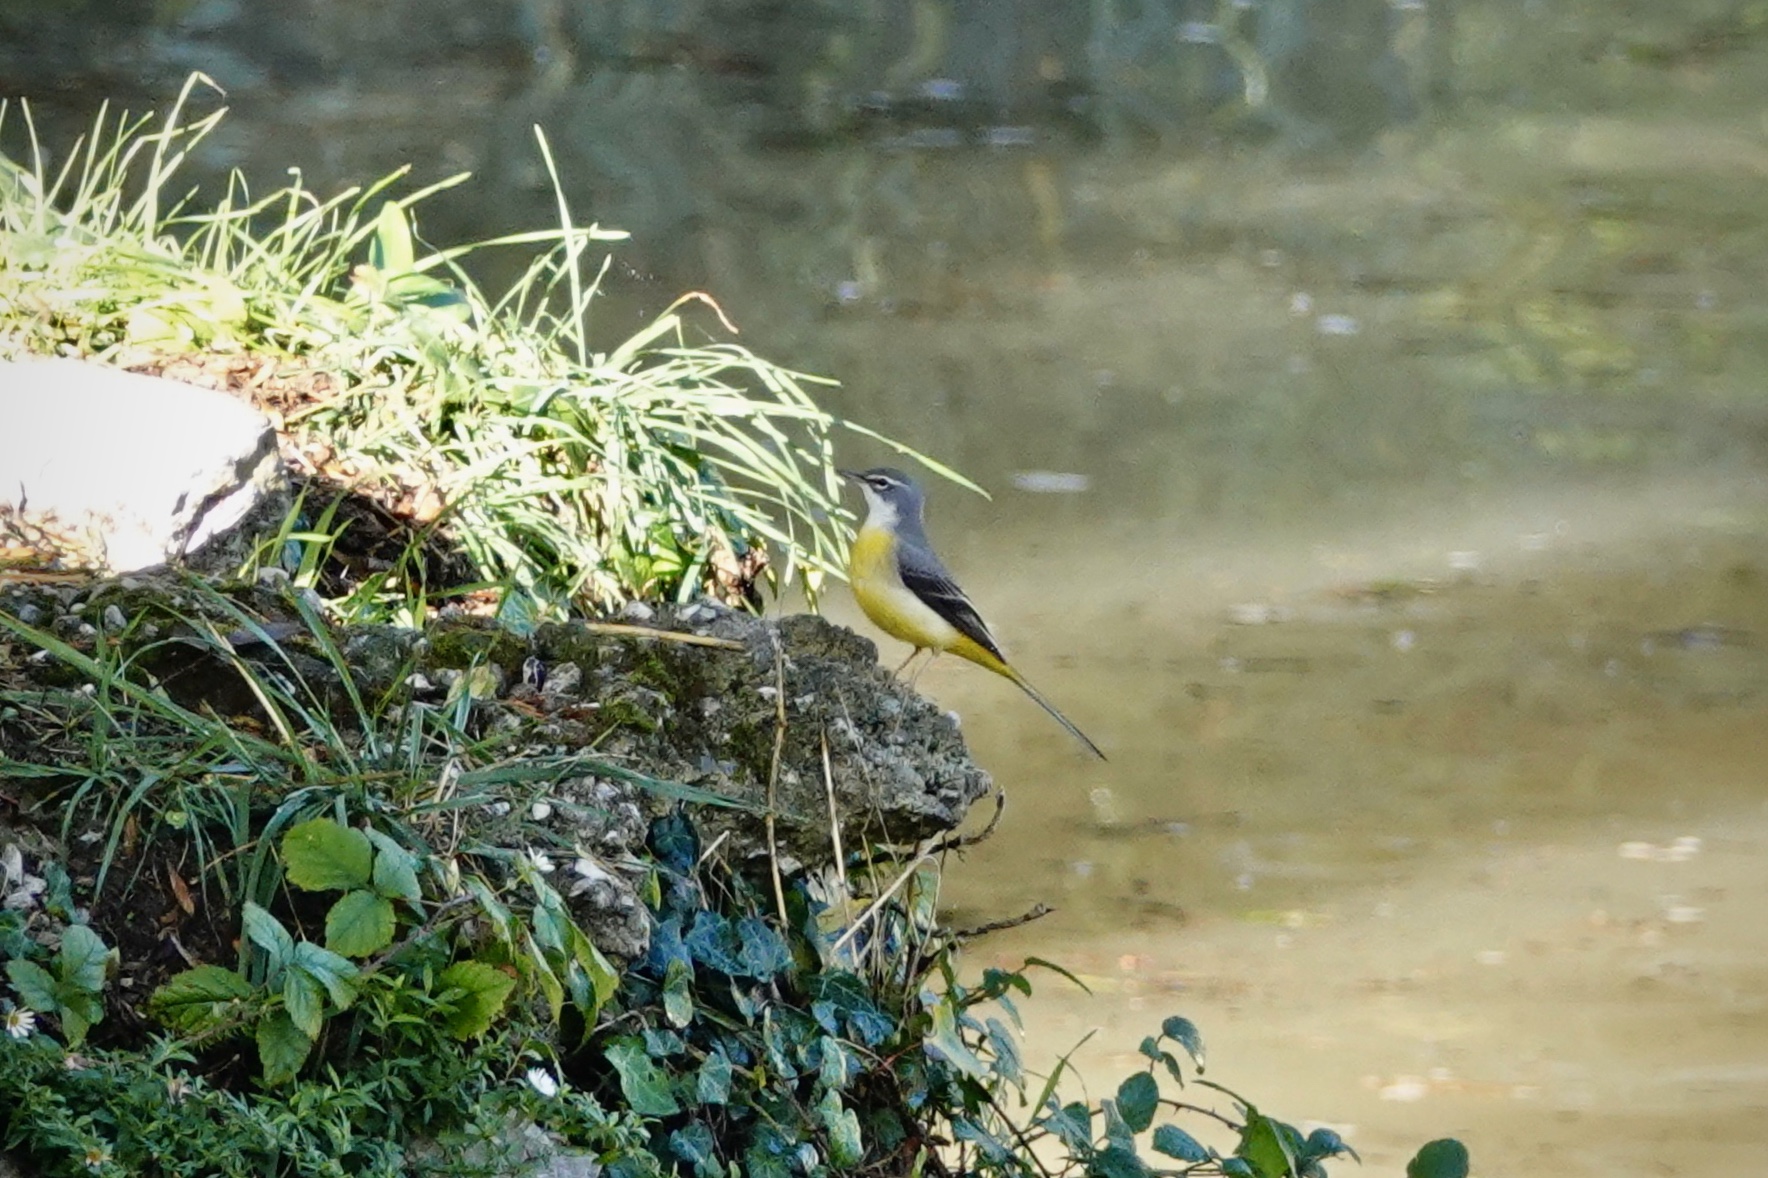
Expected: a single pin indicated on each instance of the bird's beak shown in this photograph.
(852, 476)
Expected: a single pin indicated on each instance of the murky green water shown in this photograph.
(1412, 565)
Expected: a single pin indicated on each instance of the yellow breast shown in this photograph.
(877, 586)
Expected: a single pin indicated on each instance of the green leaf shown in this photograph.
(282, 1048)
(266, 932)
(846, 1149)
(81, 960)
(1137, 1098)
(944, 1041)
(1443, 1158)
(359, 924)
(603, 978)
(395, 869)
(544, 977)
(320, 855)
(303, 1000)
(1006, 1052)
(483, 990)
(678, 997)
(199, 998)
(712, 1084)
(36, 986)
(645, 1087)
(329, 970)
(495, 910)
(78, 1013)
(1263, 1146)
(695, 1144)
(390, 249)
(1073, 1126)
(1174, 1142)
(1186, 1033)
(1115, 1161)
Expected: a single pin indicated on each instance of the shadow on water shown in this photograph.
(1377, 421)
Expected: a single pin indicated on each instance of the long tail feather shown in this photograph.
(1046, 705)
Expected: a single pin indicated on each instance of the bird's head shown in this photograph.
(891, 496)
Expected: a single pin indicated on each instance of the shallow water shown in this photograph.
(1454, 828)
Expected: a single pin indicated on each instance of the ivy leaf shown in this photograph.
(82, 959)
(1443, 1158)
(846, 1149)
(360, 923)
(763, 953)
(36, 986)
(712, 1084)
(483, 990)
(198, 999)
(944, 1041)
(645, 1087)
(1174, 1142)
(678, 999)
(1137, 1098)
(282, 1048)
(395, 869)
(694, 1143)
(1186, 1033)
(302, 1000)
(266, 932)
(320, 856)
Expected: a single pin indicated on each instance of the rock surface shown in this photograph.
(602, 727)
(118, 472)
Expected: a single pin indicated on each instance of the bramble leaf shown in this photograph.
(395, 869)
(266, 932)
(282, 1048)
(1186, 1033)
(81, 959)
(1443, 1158)
(36, 986)
(1174, 1142)
(302, 1000)
(360, 923)
(199, 998)
(483, 991)
(1137, 1098)
(320, 855)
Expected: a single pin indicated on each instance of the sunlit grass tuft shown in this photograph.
(661, 467)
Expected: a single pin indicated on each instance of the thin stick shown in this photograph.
(872, 908)
(1038, 912)
(773, 772)
(835, 829)
(626, 631)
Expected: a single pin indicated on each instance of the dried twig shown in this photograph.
(1037, 912)
(875, 905)
(958, 842)
(773, 772)
(625, 631)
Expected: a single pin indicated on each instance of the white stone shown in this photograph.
(133, 471)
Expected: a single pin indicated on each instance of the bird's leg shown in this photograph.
(931, 655)
(905, 663)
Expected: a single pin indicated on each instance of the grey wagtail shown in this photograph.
(902, 586)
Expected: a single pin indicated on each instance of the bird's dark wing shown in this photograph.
(928, 580)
